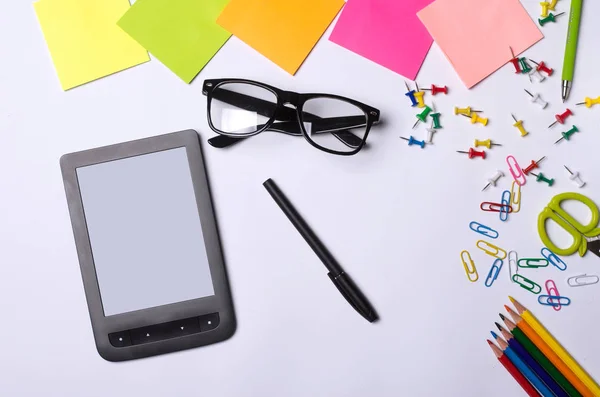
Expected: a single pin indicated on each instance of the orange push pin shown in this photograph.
(476, 119)
(519, 125)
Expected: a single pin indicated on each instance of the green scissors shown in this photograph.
(584, 236)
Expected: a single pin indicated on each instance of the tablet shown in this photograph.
(148, 246)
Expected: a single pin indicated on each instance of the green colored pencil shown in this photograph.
(540, 358)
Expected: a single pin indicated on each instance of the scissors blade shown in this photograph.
(594, 246)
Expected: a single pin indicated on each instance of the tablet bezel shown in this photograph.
(220, 302)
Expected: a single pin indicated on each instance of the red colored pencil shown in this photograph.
(530, 390)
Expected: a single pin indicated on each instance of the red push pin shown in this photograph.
(561, 118)
(541, 67)
(532, 166)
(437, 90)
(473, 153)
(515, 62)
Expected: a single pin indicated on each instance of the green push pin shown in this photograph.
(541, 178)
(525, 68)
(567, 135)
(436, 118)
(550, 18)
(422, 117)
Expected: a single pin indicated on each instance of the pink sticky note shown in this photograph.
(476, 35)
(387, 32)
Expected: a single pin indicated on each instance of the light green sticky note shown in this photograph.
(182, 34)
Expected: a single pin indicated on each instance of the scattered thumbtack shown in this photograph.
(412, 141)
(574, 176)
(411, 95)
(422, 117)
(436, 117)
(536, 75)
(473, 153)
(537, 99)
(589, 102)
(430, 132)
(476, 119)
(532, 166)
(487, 143)
(419, 96)
(493, 180)
(550, 18)
(542, 178)
(545, 8)
(561, 117)
(552, 5)
(515, 61)
(525, 68)
(519, 125)
(541, 67)
(465, 111)
(567, 134)
(437, 90)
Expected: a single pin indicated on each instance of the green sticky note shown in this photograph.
(182, 34)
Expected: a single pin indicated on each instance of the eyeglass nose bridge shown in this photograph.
(290, 99)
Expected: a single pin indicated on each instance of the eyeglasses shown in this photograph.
(239, 109)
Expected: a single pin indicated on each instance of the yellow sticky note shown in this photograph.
(285, 31)
(84, 40)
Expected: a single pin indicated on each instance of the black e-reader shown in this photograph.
(148, 246)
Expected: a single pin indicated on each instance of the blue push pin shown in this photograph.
(411, 95)
(413, 141)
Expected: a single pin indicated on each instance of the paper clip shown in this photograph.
(505, 205)
(494, 207)
(527, 284)
(512, 264)
(532, 263)
(469, 266)
(483, 229)
(549, 300)
(576, 281)
(515, 195)
(515, 170)
(554, 259)
(552, 290)
(494, 251)
(494, 272)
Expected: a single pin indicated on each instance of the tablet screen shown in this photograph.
(145, 231)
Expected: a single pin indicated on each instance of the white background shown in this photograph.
(396, 217)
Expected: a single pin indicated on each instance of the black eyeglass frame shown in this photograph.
(295, 99)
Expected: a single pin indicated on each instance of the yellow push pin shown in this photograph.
(545, 8)
(552, 5)
(476, 119)
(487, 143)
(589, 102)
(465, 111)
(419, 97)
(519, 125)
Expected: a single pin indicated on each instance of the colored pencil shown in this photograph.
(532, 364)
(548, 352)
(530, 390)
(524, 369)
(539, 357)
(557, 347)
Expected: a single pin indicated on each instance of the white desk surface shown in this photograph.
(396, 217)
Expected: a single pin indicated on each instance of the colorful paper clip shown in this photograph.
(494, 272)
(532, 263)
(582, 280)
(553, 259)
(494, 207)
(469, 266)
(554, 300)
(552, 290)
(515, 197)
(483, 229)
(505, 205)
(515, 170)
(513, 258)
(527, 284)
(491, 249)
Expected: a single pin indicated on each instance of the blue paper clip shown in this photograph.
(492, 276)
(554, 259)
(554, 300)
(505, 204)
(483, 229)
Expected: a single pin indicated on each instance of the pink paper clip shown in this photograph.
(553, 291)
(516, 171)
(495, 207)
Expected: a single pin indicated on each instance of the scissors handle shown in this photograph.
(579, 244)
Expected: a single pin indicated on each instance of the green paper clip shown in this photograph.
(532, 263)
(527, 284)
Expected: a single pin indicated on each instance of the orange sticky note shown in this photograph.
(285, 31)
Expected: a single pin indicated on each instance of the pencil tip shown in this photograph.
(502, 316)
(498, 325)
(494, 334)
(511, 299)
(490, 342)
(507, 308)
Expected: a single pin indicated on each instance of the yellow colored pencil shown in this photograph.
(556, 347)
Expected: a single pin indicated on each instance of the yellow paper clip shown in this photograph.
(491, 249)
(469, 266)
(515, 194)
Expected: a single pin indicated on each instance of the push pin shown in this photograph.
(574, 176)
(525, 68)
(536, 75)
(561, 118)
(412, 141)
(436, 117)
(476, 119)
(437, 90)
(487, 143)
(541, 178)
(550, 18)
(532, 166)
(465, 111)
(567, 135)
(537, 99)
(519, 125)
(541, 67)
(430, 131)
(589, 102)
(422, 117)
(552, 5)
(473, 153)
(493, 180)
(515, 61)
(419, 97)
(411, 95)
(545, 8)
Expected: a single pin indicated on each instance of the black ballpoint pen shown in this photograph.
(340, 279)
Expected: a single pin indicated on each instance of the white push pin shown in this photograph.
(535, 74)
(494, 179)
(430, 132)
(574, 176)
(537, 99)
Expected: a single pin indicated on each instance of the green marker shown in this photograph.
(571, 48)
